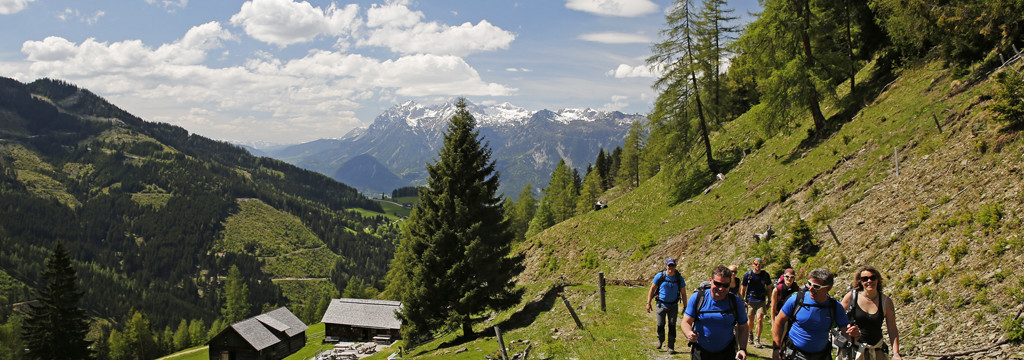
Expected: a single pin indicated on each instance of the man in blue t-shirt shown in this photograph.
(811, 321)
(668, 285)
(754, 290)
(711, 317)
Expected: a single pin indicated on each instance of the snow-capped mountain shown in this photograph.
(526, 144)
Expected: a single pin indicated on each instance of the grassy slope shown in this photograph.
(285, 244)
(937, 261)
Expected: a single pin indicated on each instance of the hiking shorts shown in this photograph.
(756, 307)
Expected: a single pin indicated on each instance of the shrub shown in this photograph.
(802, 239)
(1009, 99)
(989, 215)
(589, 260)
(1014, 328)
(958, 252)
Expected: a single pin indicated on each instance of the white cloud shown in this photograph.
(70, 13)
(312, 96)
(616, 38)
(627, 71)
(8, 7)
(170, 5)
(392, 14)
(622, 8)
(434, 38)
(284, 22)
(618, 103)
(94, 18)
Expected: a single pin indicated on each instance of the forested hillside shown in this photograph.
(142, 207)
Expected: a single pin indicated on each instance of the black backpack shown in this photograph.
(800, 295)
(701, 300)
(679, 284)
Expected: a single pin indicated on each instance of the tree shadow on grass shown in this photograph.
(520, 319)
(528, 314)
(865, 94)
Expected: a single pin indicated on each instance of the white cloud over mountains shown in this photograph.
(311, 95)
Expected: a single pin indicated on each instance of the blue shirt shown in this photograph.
(757, 285)
(715, 329)
(668, 292)
(810, 328)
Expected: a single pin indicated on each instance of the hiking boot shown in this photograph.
(659, 346)
(671, 351)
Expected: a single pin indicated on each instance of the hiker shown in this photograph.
(868, 307)
(783, 290)
(668, 285)
(713, 318)
(801, 330)
(734, 286)
(754, 291)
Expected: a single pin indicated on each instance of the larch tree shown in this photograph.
(560, 195)
(454, 262)
(522, 212)
(589, 193)
(55, 327)
(236, 297)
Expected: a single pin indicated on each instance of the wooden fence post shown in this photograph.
(937, 123)
(501, 342)
(834, 237)
(896, 160)
(600, 285)
(571, 311)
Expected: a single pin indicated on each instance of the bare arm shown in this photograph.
(776, 304)
(687, 328)
(778, 326)
(894, 331)
(650, 295)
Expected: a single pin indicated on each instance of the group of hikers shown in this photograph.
(806, 322)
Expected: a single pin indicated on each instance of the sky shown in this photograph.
(265, 72)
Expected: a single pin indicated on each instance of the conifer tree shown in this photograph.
(629, 168)
(614, 164)
(522, 212)
(589, 193)
(454, 260)
(236, 297)
(181, 339)
(55, 327)
(541, 220)
(560, 195)
(602, 165)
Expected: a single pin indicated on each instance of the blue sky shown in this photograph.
(284, 71)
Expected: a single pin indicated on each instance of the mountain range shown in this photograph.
(393, 150)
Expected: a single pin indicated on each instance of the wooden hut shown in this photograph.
(362, 320)
(270, 336)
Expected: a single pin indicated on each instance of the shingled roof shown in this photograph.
(370, 314)
(256, 330)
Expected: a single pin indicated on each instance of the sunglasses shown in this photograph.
(720, 285)
(867, 278)
(789, 276)
(816, 286)
(671, 265)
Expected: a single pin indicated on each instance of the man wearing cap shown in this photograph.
(667, 287)
(754, 291)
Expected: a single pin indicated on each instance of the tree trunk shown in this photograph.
(467, 326)
(812, 95)
(849, 48)
(696, 93)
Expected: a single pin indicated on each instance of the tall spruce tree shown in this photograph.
(55, 326)
(454, 260)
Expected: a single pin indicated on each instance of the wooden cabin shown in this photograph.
(270, 336)
(362, 320)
